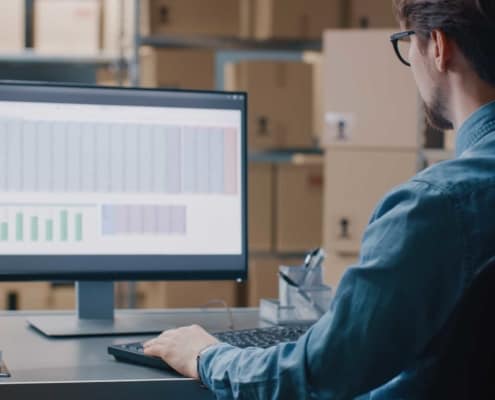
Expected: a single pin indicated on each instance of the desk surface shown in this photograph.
(81, 368)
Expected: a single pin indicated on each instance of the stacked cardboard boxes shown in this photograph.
(259, 19)
(372, 125)
(24, 296)
(68, 27)
(294, 19)
(12, 20)
(285, 207)
(372, 14)
(192, 17)
(280, 100)
(187, 294)
(177, 68)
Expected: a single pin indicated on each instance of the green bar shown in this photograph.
(34, 229)
(49, 230)
(79, 227)
(64, 228)
(19, 218)
(4, 234)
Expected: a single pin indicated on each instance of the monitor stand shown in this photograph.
(96, 316)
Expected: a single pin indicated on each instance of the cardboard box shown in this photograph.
(299, 202)
(28, 296)
(315, 59)
(295, 19)
(370, 99)
(280, 102)
(372, 14)
(263, 277)
(68, 26)
(62, 298)
(178, 68)
(12, 21)
(193, 17)
(355, 181)
(118, 26)
(260, 207)
(187, 294)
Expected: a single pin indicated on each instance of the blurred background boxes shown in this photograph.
(280, 102)
(24, 296)
(118, 26)
(294, 19)
(261, 207)
(187, 294)
(12, 21)
(355, 180)
(59, 24)
(177, 68)
(367, 89)
(205, 17)
(372, 14)
(298, 211)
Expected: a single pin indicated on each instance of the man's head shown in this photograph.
(454, 41)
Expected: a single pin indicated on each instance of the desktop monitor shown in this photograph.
(103, 184)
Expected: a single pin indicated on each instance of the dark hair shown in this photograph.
(470, 23)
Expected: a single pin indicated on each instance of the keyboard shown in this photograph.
(260, 337)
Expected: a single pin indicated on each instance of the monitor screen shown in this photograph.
(102, 183)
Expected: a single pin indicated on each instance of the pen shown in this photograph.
(302, 292)
(312, 261)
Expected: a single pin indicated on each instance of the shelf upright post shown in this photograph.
(134, 64)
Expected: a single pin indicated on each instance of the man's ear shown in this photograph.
(442, 49)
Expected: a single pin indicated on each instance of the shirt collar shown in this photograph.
(478, 125)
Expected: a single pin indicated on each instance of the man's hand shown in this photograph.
(180, 347)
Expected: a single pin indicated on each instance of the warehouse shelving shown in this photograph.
(32, 57)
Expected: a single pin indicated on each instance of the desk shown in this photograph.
(77, 369)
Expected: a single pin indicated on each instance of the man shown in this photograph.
(425, 242)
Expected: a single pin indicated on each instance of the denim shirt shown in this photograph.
(425, 242)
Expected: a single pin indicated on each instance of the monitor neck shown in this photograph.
(95, 300)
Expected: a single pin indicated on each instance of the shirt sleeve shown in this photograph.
(385, 311)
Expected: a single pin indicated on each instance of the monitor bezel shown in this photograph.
(51, 267)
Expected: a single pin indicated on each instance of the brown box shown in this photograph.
(372, 14)
(193, 17)
(355, 180)
(370, 98)
(178, 69)
(118, 26)
(62, 298)
(263, 277)
(187, 294)
(260, 207)
(294, 19)
(280, 102)
(315, 59)
(30, 296)
(12, 21)
(299, 198)
(68, 26)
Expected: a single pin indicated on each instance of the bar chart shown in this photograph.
(43, 223)
(143, 220)
(101, 157)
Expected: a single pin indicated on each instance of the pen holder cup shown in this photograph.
(294, 307)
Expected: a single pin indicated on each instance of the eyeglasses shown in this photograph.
(402, 43)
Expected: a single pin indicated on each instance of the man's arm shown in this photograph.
(385, 311)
